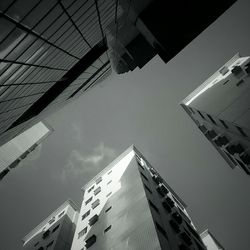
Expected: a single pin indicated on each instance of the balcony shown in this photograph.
(174, 226)
(177, 217)
(162, 190)
(186, 238)
(90, 241)
(46, 234)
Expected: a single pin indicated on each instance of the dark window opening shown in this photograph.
(211, 134)
(97, 191)
(110, 172)
(90, 189)
(46, 234)
(162, 190)
(201, 115)
(81, 233)
(144, 176)
(186, 238)
(108, 209)
(90, 241)
(89, 200)
(224, 124)
(61, 214)
(86, 214)
(241, 131)
(211, 119)
(109, 182)
(95, 203)
(177, 217)
(245, 158)
(55, 228)
(50, 244)
(147, 188)
(93, 220)
(239, 82)
(153, 206)
(161, 230)
(107, 229)
(174, 226)
(36, 244)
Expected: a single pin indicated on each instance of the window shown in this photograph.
(93, 220)
(81, 233)
(95, 203)
(110, 172)
(211, 119)
(61, 214)
(201, 115)
(186, 238)
(36, 244)
(89, 200)
(174, 226)
(108, 209)
(107, 229)
(97, 191)
(40, 248)
(109, 182)
(224, 124)
(108, 194)
(55, 228)
(241, 131)
(177, 217)
(147, 188)
(85, 215)
(90, 189)
(161, 230)
(90, 241)
(52, 220)
(50, 244)
(144, 176)
(162, 190)
(98, 180)
(153, 206)
(46, 234)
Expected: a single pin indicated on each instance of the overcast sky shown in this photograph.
(141, 108)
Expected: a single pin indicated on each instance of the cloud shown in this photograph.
(87, 165)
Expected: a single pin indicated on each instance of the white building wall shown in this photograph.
(15, 148)
(60, 226)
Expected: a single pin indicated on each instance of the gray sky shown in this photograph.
(140, 108)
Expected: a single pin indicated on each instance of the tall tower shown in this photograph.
(129, 206)
(220, 107)
(14, 151)
(56, 231)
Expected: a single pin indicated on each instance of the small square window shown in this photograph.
(93, 220)
(85, 215)
(98, 180)
(55, 228)
(61, 214)
(108, 194)
(95, 203)
(107, 229)
(97, 191)
(108, 209)
(50, 244)
(89, 200)
(81, 233)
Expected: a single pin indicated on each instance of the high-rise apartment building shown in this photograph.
(53, 51)
(210, 241)
(14, 151)
(129, 206)
(220, 107)
(56, 231)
